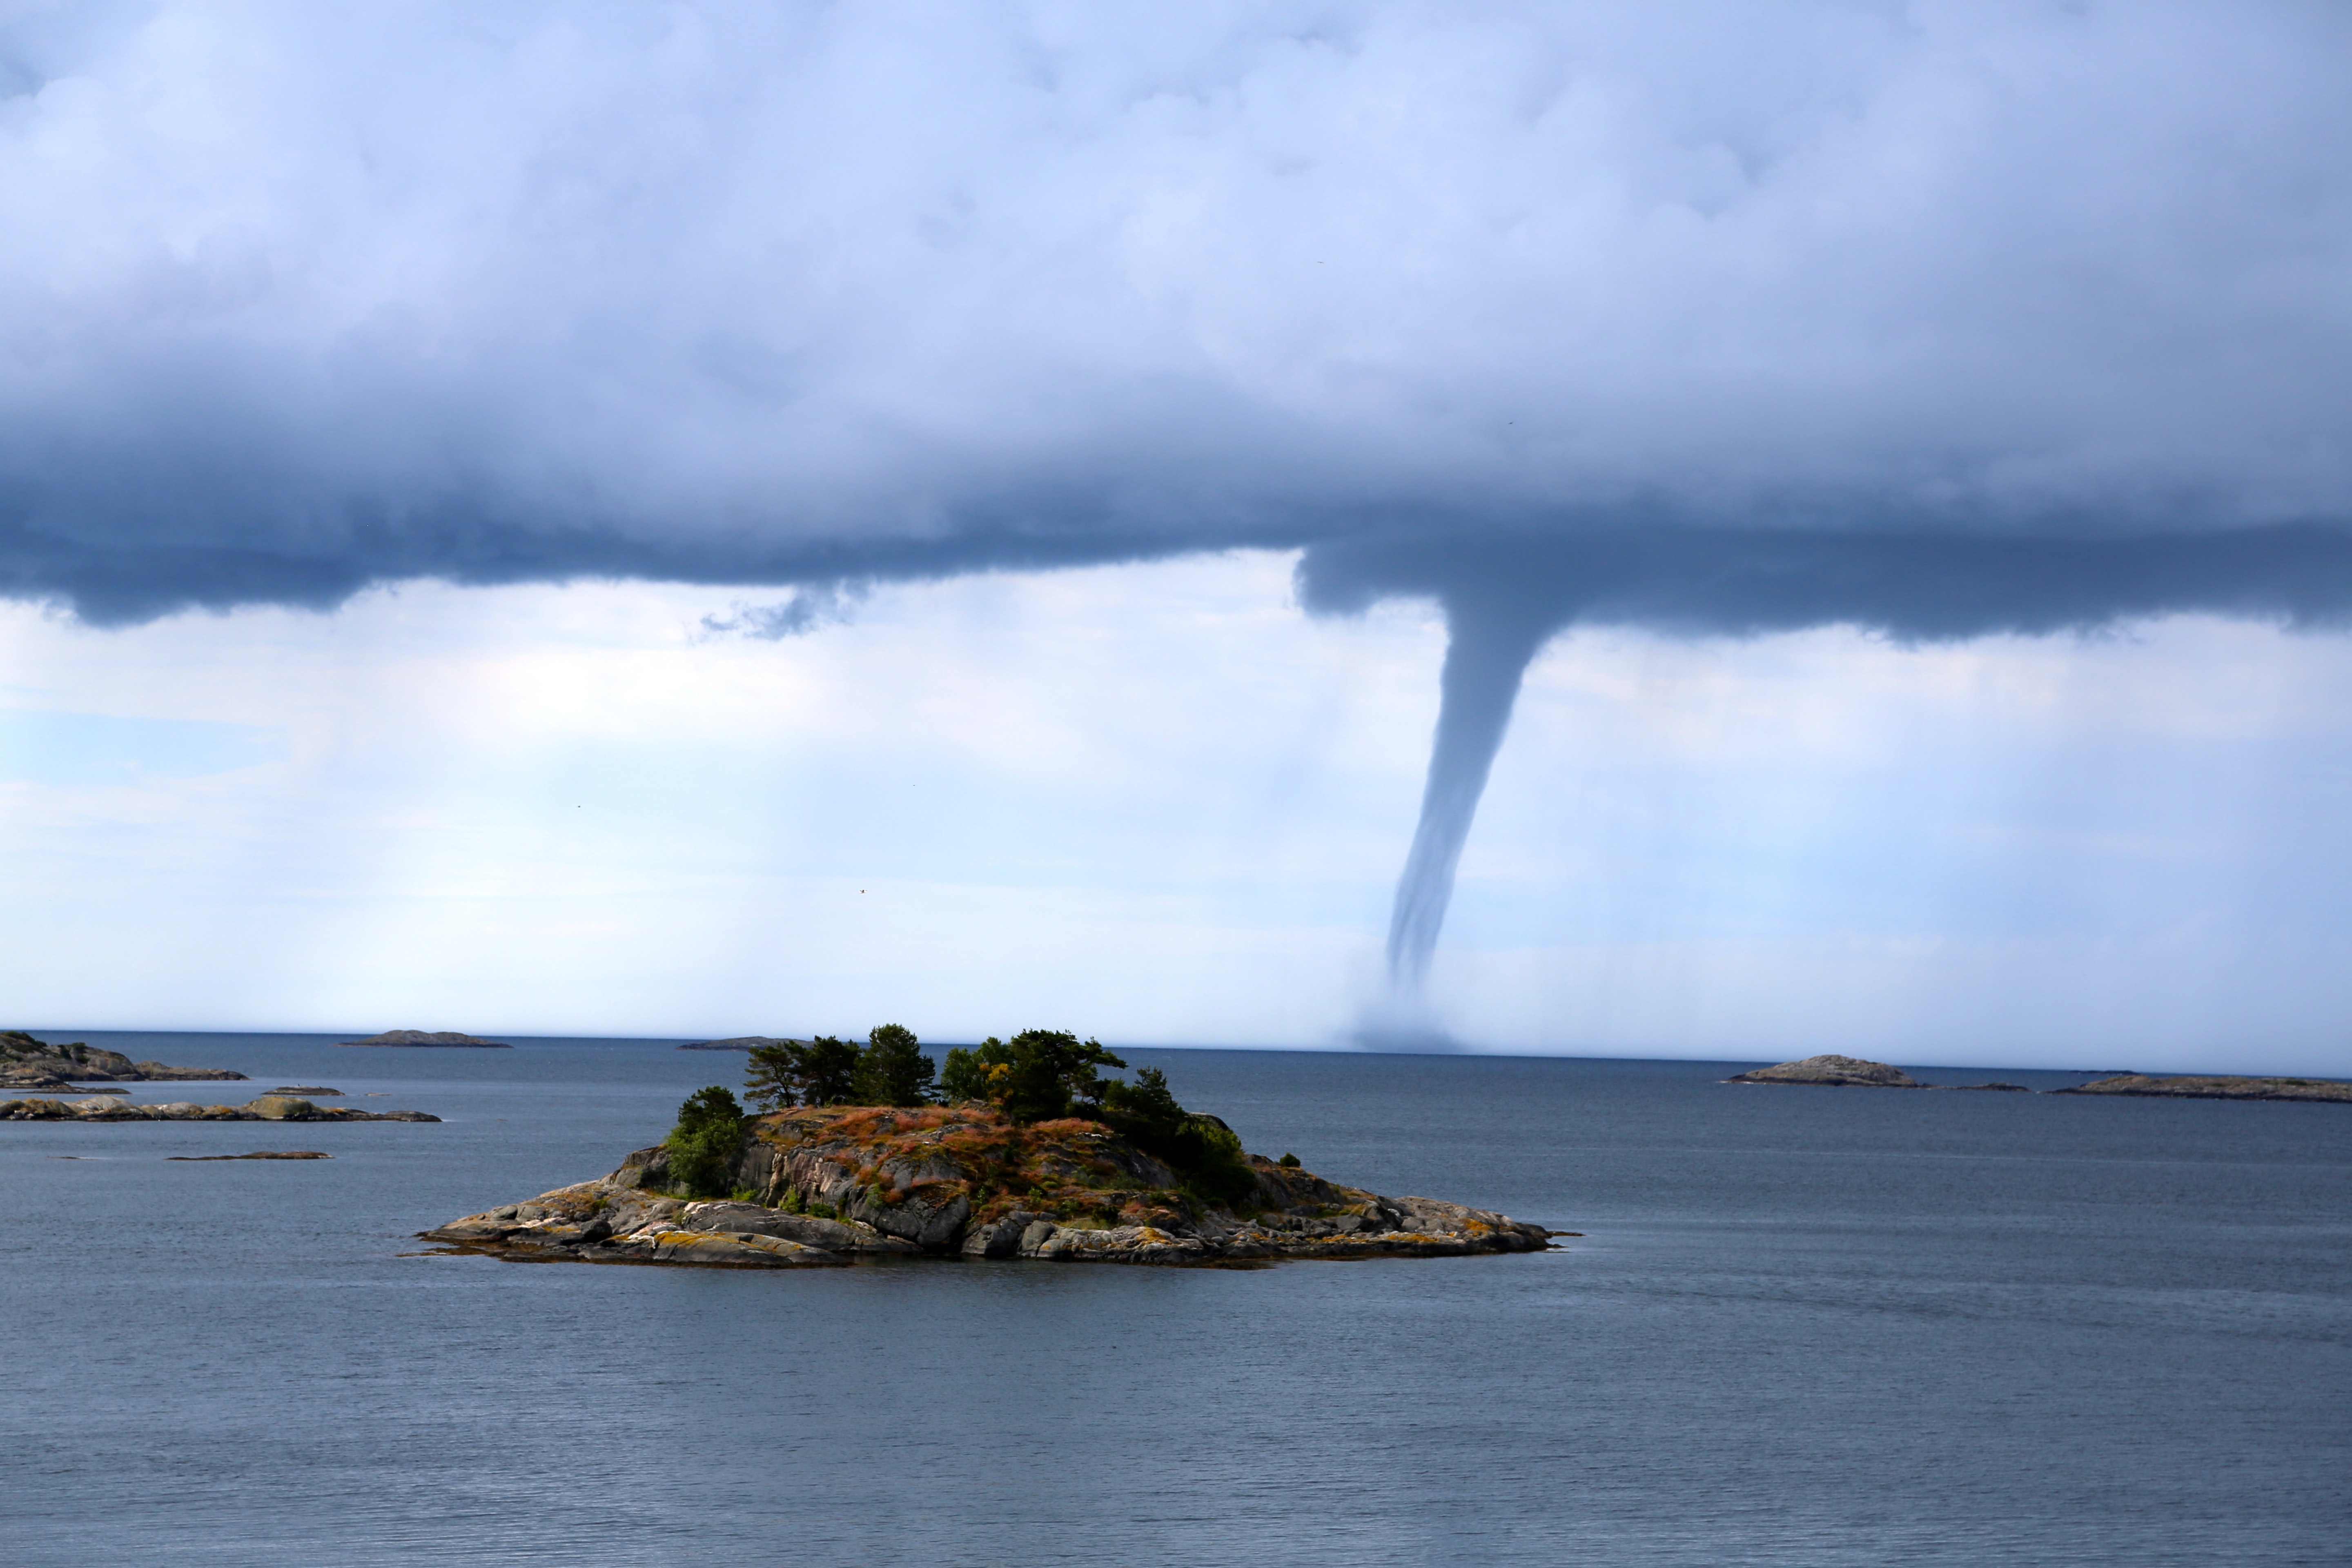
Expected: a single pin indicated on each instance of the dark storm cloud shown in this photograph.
(295, 300)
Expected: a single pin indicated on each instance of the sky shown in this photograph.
(711, 519)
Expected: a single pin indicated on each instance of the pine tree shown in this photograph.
(771, 1077)
(892, 1069)
(825, 1070)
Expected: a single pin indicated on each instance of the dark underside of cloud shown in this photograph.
(1913, 586)
(108, 581)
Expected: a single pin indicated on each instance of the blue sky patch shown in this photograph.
(51, 748)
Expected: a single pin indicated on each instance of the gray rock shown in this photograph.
(28, 1063)
(832, 1234)
(1122, 1244)
(1000, 1238)
(646, 1168)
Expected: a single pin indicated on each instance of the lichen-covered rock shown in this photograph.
(840, 1182)
(605, 1222)
(1834, 1072)
(832, 1234)
(738, 1248)
(1120, 1244)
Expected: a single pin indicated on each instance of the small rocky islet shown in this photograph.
(2196, 1087)
(42, 1067)
(830, 1185)
(256, 1154)
(50, 1071)
(267, 1108)
(1834, 1071)
(445, 1038)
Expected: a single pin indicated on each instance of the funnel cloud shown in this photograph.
(1934, 319)
(1504, 597)
(1487, 651)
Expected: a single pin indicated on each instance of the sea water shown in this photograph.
(1801, 1326)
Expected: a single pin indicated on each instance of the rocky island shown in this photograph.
(268, 1108)
(1834, 1072)
(2216, 1088)
(423, 1037)
(1853, 1072)
(1035, 1157)
(27, 1064)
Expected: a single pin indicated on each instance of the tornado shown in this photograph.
(1488, 648)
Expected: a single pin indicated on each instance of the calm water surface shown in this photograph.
(1803, 1326)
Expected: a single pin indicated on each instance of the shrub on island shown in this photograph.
(1037, 1075)
(705, 1144)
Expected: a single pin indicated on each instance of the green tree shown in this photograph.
(966, 1074)
(826, 1071)
(1202, 1150)
(1144, 1112)
(822, 1071)
(771, 1078)
(705, 1144)
(892, 1069)
(1052, 1074)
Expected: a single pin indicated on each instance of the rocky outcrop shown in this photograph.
(1834, 1072)
(31, 1065)
(258, 1154)
(840, 1184)
(2195, 1088)
(268, 1108)
(421, 1037)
